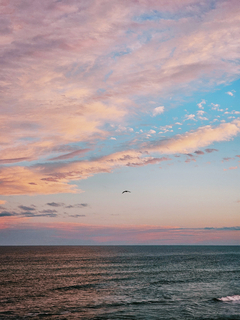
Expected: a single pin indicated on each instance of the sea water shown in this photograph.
(120, 282)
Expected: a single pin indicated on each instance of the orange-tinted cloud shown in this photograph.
(22, 180)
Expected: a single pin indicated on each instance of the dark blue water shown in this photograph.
(122, 282)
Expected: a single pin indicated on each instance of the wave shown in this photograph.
(229, 298)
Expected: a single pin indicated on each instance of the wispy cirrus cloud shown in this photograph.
(54, 178)
(199, 138)
(51, 106)
(70, 155)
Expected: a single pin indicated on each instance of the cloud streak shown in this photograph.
(55, 178)
(202, 137)
(79, 233)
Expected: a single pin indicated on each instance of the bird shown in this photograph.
(126, 191)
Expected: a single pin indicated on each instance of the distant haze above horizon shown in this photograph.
(103, 96)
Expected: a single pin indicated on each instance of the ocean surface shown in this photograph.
(120, 282)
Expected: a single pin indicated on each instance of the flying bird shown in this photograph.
(126, 191)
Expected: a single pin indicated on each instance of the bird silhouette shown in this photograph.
(126, 191)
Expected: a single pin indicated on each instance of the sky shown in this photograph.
(102, 96)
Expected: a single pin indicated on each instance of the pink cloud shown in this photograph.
(63, 82)
(55, 178)
(70, 155)
(202, 137)
(137, 234)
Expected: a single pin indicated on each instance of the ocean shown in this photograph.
(120, 282)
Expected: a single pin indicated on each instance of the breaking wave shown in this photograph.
(229, 298)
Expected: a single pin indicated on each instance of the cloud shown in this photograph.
(60, 105)
(210, 150)
(99, 87)
(78, 205)
(2, 202)
(14, 160)
(77, 215)
(29, 214)
(6, 214)
(27, 208)
(199, 152)
(23, 180)
(55, 204)
(200, 105)
(151, 131)
(237, 228)
(227, 159)
(55, 178)
(190, 160)
(79, 233)
(230, 93)
(193, 140)
(190, 117)
(158, 110)
(200, 112)
(47, 213)
(70, 155)
(215, 106)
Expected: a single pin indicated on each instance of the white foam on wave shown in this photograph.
(230, 298)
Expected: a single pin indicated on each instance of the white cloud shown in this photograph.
(229, 93)
(190, 117)
(200, 112)
(124, 129)
(200, 105)
(215, 106)
(152, 131)
(158, 110)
